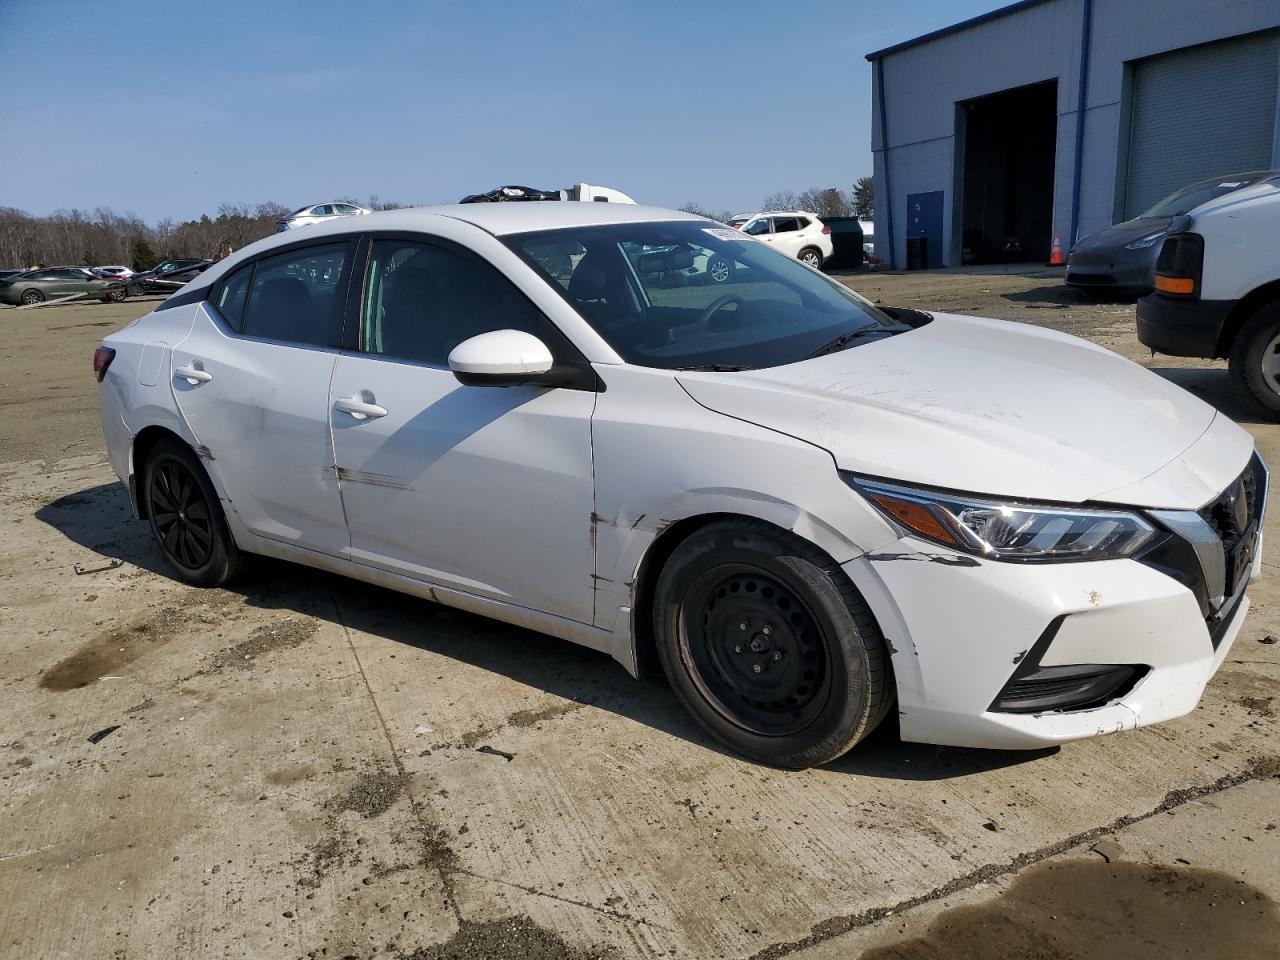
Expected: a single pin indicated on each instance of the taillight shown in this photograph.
(102, 358)
(826, 229)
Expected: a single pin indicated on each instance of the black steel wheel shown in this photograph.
(769, 645)
(756, 651)
(187, 519)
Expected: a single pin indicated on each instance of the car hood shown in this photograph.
(992, 407)
(1117, 235)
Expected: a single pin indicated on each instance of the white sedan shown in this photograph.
(318, 213)
(809, 507)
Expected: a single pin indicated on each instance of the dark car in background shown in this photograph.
(167, 276)
(1122, 258)
(54, 283)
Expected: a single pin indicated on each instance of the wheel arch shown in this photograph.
(143, 443)
(1243, 310)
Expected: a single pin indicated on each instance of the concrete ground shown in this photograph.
(303, 766)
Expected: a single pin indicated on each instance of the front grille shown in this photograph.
(1090, 279)
(1230, 524)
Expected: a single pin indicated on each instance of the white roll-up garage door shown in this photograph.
(1201, 112)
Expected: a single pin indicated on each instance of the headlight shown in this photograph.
(1008, 531)
(1144, 242)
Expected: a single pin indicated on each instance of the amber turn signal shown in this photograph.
(1182, 285)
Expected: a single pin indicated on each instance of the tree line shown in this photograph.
(103, 237)
(823, 201)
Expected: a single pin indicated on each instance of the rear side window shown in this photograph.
(422, 300)
(299, 296)
(804, 222)
(785, 224)
(231, 296)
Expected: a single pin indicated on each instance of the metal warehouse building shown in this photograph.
(979, 153)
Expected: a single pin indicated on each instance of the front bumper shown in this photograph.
(963, 634)
(1182, 328)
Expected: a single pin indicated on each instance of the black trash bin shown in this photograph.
(846, 242)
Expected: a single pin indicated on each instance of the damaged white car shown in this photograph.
(809, 508)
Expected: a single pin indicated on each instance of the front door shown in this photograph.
(252, 381)
(487, 490)
(786, 235)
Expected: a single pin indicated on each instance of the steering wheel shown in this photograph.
(719, 303)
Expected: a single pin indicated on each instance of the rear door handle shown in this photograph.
(193, 374)
(359, 408)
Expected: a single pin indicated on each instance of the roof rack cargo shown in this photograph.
(582, 192)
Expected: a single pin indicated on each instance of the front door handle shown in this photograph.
(359, 408)
(193, 374)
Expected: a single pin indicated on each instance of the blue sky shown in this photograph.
(172, 109)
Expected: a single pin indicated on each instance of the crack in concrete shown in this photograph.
(428, 832)
(533, 891)
(1261, 768)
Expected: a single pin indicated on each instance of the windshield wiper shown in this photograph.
(842, 341)
(714, 368)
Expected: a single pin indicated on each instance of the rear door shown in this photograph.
(787, 235)
(252, 382)
(485, 490)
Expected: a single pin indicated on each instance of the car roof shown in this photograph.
(774, 213)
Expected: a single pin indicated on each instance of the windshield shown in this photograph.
(691, 294)
(1188, 198)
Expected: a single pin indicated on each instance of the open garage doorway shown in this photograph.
(1006, 181)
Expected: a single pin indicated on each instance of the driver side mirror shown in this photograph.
(500, 358)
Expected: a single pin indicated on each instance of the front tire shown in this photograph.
(1255, 358)
(811, 257)
(769, 646)
(115, 295)
(187, 519)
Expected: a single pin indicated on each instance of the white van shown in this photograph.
(1218, 289)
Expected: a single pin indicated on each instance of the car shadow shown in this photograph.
(99, 519)
(1060, 296)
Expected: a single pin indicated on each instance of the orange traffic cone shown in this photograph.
(1055, 255)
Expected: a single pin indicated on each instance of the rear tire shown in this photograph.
(1255, 358)
(769, 646)
(810, 257)
(32, 296)
(186, 517)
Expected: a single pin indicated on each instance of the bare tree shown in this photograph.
(782, 200)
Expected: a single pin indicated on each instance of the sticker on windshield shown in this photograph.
(1231, 184)
(726, 233)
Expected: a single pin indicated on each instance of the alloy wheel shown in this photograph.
(32, 296)
(755, 650)
(719, 270)
(182, 518)
(1271, 364)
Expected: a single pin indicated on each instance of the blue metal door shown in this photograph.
(924, 219)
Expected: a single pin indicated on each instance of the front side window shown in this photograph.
(423, 299)
(688, 294)
(299, 296)
(757, 227)
(323, 210)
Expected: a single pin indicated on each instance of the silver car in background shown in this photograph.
(318, 213)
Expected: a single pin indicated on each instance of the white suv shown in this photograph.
(794, 232)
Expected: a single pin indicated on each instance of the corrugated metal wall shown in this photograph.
(1203, 112)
